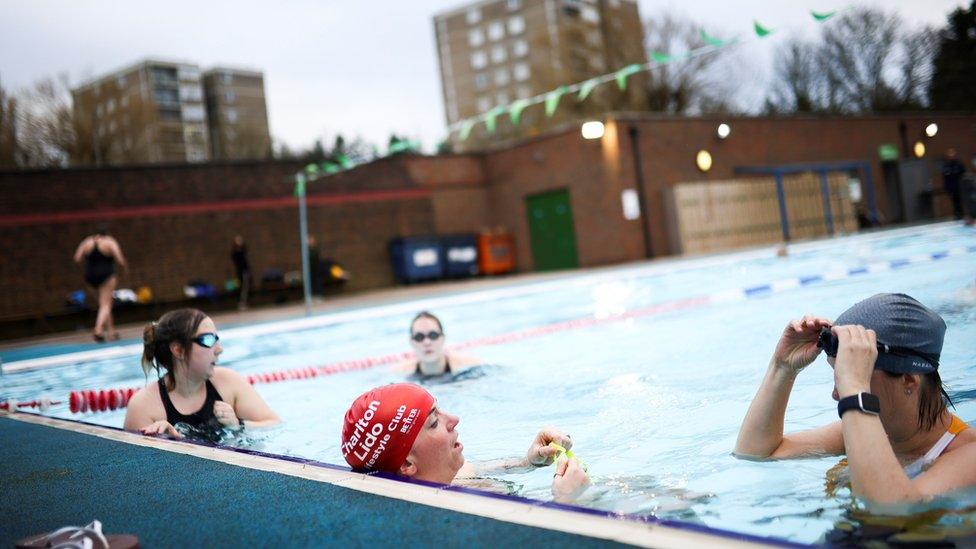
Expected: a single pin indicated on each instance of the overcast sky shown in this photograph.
(360, 68)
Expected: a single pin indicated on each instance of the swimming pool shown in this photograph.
(650, 368)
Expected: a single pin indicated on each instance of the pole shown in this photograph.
(825, 193)
(303, 239)
(641, 199)
(784, 221)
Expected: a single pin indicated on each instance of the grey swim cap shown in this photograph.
(900, 321)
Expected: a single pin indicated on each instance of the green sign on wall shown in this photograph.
(887, 151)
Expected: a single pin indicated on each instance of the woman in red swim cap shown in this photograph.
(399, 429)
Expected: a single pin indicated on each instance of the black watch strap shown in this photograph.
(864, 402)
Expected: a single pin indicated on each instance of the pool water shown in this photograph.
(650, 368)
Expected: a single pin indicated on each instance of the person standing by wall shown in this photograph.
(238, 255)
(99, 253)
(952, 172)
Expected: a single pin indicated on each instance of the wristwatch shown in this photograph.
(863, 401)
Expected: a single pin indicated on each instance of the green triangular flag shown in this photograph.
(398, 146)
(761, 31)
(312, 170)
(329, 167)
(625, 72)
(299, 185)
(823, 16)
(491, 118)
(344, 161)
(515, 110)
(466, 128)
(710, 40)
(586, 88)
(660, 57)
(552, 100)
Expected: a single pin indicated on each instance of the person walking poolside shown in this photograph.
(902, 443)
(99, 253)
(399, 429)
(242, 269)
(193, 390)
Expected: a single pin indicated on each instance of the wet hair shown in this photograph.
(426, 314)
(933, 399)
(101, 229)
(177, 326)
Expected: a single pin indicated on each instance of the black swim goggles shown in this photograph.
(207, 340)
(432, 335)
(829, 343)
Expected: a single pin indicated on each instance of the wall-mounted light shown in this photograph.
(723, 130)
(592, 130)
(931, 129)
(919, 149)
(703, 160)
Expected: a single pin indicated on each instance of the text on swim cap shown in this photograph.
(366, 440)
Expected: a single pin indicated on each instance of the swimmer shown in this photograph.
(193, 390)
(427, 339)
(399, 429)
(99, 253)
(902, 443)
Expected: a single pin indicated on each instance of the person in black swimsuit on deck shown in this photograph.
(99, 253)
(194, 390)
(427, 339)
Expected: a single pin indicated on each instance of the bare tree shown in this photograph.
(45, 130)
(8, 130)
(683, 86)
(864, 62)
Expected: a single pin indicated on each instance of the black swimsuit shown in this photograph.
(201, 419)
(447, 370)
(98, 267)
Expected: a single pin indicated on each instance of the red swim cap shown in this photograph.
(382, 424)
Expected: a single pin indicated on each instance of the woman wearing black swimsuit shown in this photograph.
(193, 390)
(427, 340)
(99, 253)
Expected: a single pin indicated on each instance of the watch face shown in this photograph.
(870, 403)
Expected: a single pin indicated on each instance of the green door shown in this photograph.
(551, 231)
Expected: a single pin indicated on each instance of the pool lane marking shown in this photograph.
(589, 523)
(409, 307)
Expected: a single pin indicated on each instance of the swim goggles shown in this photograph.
(568, 454)
(433, 335)
(207, 340)
(829, 343)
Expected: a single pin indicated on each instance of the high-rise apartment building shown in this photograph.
(152, 111)
(237, 114)
(494, 52)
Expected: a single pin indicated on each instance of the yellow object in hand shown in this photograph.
(568, 454)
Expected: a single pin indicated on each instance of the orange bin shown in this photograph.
(496, 253)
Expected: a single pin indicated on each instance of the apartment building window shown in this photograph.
(513, 5)
(191, 93)
(479, 60)
(169, 115)
(501, 77)
(110, 105)
(594, 39)
(480, 81)
(615, 4)
(523, 92)
(516, 24)
(589, 14)
(231, 115)
(193, 113)
(230, 96)
(596, 63)
(189, 73)
(476, 37)
(501, 98)
(498, 54)
(112, 127)
(473, 16)
(98, 110)
(164, 75)
(496, 31)
(521, 72)
(124, 102)
(520, 48)
(167, 96)
(227, 78)
(483, 104)
(120, 81)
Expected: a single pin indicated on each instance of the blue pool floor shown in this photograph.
(52, 477)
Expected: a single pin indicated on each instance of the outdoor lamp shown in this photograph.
(919, 149)
(931, 129)
(723, 130)
(703, 160)
(592, 130)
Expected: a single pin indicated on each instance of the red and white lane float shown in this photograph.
(42, 404)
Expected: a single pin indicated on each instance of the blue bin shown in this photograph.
(416, 258)
(460, 254)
